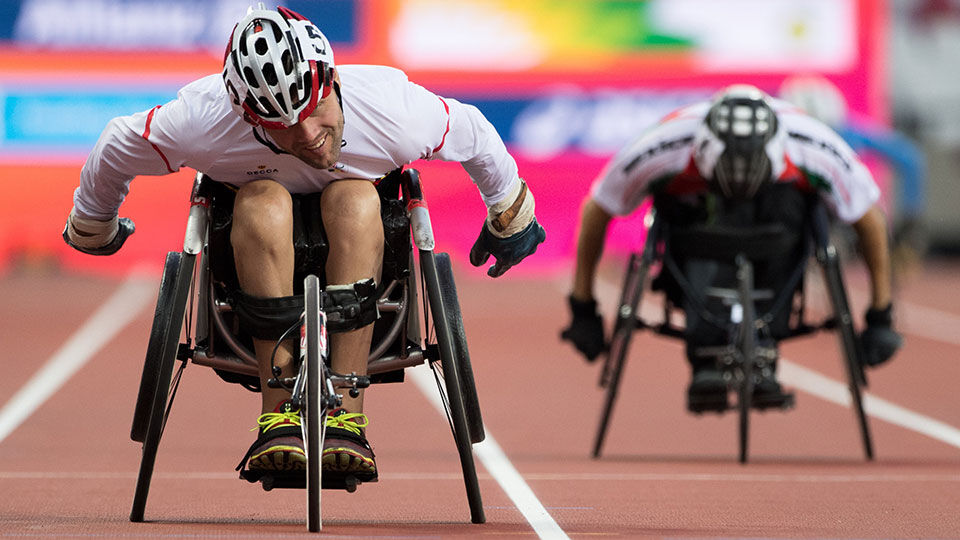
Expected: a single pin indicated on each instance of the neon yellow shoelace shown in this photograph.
(268, 421)
(349, 421)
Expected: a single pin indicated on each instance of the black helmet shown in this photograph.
(743, 123)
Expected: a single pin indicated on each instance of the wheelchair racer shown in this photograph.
(740, 158)
(281, 121)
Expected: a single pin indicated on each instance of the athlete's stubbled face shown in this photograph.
(316, 140)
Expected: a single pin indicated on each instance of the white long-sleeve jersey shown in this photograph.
(388, 122)
(661, 160)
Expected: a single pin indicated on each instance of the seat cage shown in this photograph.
(219, 345)
(669, 244)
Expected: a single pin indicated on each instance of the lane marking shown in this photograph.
(497, 464)
(413, 476)
(110, 318)
(834, 391)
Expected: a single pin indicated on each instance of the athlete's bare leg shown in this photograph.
(351, 218)
(262, 238)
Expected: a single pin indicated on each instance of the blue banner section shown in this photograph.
(153, 24)
(65, 120)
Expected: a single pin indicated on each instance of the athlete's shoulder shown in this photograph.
(367, 75)
(205, 98)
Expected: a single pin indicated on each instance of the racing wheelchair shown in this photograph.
(195, 322)
(743, 357)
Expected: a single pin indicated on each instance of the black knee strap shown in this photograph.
(352, 306)
(267, 318)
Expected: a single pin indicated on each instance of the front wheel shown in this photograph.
(313, 406)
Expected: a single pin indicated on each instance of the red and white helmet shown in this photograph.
(277, 67)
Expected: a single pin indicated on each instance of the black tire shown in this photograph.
(748, 350)
(616, 357)
(151, 408)
(853, 361)
(451, 304)
(313, 409)
(449, 364)
(158, 336)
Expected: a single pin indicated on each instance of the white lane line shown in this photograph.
(498, 465)
(836, 392)
(112, 317)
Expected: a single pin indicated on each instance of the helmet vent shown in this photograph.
(287, 60)
(260, 46)
(270, 74)
(250, 77)
(267, 108)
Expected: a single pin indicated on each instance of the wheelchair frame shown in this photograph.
(187, 301)
(628, 319)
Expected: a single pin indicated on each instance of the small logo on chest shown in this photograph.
(262, 170)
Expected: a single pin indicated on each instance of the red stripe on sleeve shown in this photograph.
(146, 137)
(444, 138)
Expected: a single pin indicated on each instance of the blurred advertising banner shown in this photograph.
(565, 82)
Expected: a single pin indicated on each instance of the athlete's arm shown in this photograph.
(154, 142)
(590, 242)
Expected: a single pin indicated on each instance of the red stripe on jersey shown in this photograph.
(146, 137)
(793, 174)
(444, 138)
(689, 181)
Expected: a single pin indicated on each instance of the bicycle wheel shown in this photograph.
(446, 340)
(471, 401)
(151, 410)
(313, 408)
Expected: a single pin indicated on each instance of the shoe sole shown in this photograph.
(712, 403)
(347, 461)
(278, 459)
(773, 401)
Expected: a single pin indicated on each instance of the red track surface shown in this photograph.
(69, 469)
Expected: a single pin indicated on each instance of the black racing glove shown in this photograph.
(586, 329)
(125, 228)
(508, 251)
(879, 341)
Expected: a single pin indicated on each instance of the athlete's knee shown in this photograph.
(352, 206)
(262, 210)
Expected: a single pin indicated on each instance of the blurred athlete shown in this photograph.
(742, 158)
(280, 122)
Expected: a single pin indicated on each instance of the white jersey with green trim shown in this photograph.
(389, 122)
(661, 159)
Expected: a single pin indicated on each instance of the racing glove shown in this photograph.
(507, 251)
(586, 329)
(878, 340)
(96, 237)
